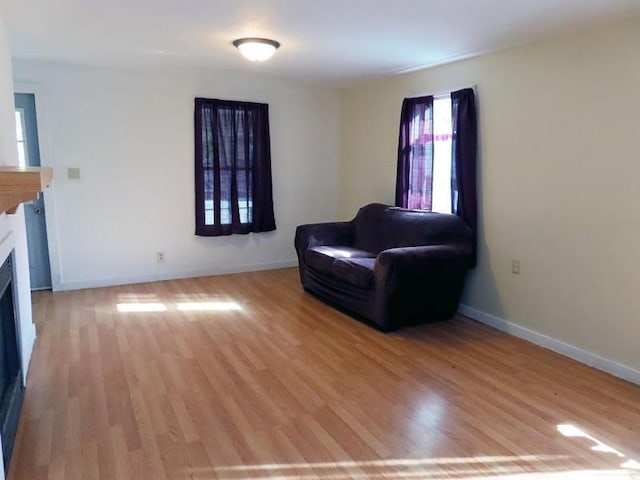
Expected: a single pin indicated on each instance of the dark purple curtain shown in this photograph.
(414, 176)
(463, 155)
(232, 168)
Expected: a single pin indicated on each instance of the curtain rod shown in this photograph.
(442, 93)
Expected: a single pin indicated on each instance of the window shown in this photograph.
(22, 138)
(437, 150)
(428, 151)
(232, 168)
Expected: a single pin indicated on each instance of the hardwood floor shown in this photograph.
(248, 377)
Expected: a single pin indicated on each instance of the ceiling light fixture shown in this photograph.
(256, 49)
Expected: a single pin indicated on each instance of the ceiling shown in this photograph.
(334, 42)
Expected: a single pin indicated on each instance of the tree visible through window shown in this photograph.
(232, 168)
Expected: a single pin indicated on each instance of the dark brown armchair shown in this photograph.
(390, 266)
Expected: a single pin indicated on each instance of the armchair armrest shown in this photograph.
(413, 280)
(333, 233)
(418, 259)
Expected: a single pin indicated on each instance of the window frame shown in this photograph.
(217, 195)
(425, 165)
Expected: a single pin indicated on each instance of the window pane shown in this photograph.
(19, 126)
(225, 196)
(22, 154)
(442, 155)
(243, 181)
(21, 137)
(208, 198)
(421, 172)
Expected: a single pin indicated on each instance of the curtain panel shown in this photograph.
(414, 174)
(233, 186)
(464, 149)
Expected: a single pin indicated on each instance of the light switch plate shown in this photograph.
(73, 173)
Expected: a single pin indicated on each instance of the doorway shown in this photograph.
(34, 211)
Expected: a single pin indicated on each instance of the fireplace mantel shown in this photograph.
(22, 184)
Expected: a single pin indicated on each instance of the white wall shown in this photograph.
(559, 170)
(12, 227)
(13, 234)
(131, 135)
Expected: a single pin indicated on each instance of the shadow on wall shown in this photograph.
(481, 291)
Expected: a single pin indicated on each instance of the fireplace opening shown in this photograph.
(11, 385)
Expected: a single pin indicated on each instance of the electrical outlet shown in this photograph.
(515, 267)
(160, 256)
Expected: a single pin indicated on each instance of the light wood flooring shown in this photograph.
(248, 377)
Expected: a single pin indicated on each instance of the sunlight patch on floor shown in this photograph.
(208, 306)
(631, 464)
(572, 431)
(547, 467)
(136, 297)
(141, 307)
(426, 472)
(398, 462)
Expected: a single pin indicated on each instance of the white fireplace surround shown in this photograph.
(24, 326)
(13, 241)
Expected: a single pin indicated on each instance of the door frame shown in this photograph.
(44, 142)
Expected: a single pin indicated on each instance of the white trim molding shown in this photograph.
(40, 92)
(583, 356)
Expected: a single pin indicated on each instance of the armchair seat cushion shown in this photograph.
(355, 271)
(322, 257)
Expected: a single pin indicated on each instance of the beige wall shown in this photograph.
(559, 180)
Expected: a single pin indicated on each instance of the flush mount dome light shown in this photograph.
(256, 49)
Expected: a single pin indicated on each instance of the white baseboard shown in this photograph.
(158, 277)
(583, 356)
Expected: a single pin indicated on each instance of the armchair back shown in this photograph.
(378, 227)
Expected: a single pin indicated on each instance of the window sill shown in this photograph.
(22, 184)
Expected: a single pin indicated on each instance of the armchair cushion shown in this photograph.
(355, 271)
(322, 258)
